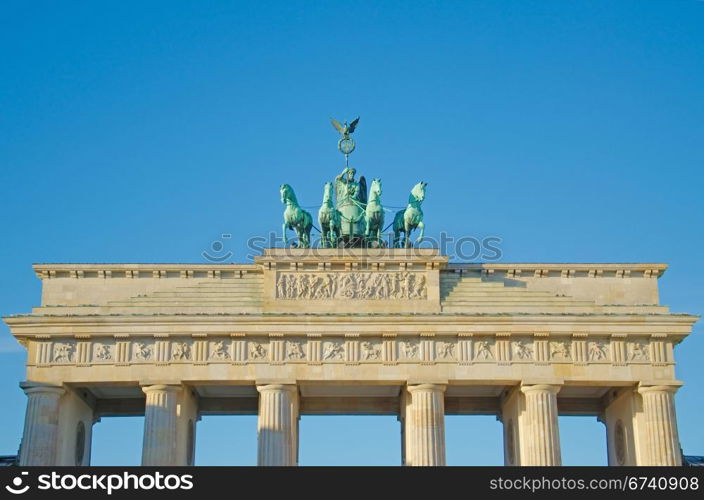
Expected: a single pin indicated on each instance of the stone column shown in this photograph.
(539, 431)
(277, 429)
(511, 402)
(160, 425)
(76, 419)
(424, 425)
(660, 425)
(41, 424)
(186, 424)
(620, 418)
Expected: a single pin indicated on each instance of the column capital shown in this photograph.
(39, 388)
(161, 387)
(277, 387)
(647, 388)
(553, 388)
(426, 387)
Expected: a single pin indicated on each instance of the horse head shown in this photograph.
(418, 191)
(287, 194)
(327, 193)
(375, 187)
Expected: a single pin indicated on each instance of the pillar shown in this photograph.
(76, 419)
(662, 441)
(187, 417)
(277, 428)
(621, 418)
(160, 425)
(539, 429)
(512, 402)
(424, 425)
(41, 424)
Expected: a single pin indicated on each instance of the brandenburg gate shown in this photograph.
(351, 328)
(351, 331)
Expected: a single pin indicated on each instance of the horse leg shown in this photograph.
(324, 234)
(306, 225)
(306, 233)
(407, 234)
(379, 229)
(420, 226)
(398, 227)
(379, 235)
(302, 240)
(332, 230)
(285, 236)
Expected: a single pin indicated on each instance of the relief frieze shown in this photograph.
(404, 285)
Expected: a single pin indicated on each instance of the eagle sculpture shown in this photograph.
(346, 129)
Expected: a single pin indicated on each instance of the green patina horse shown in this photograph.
(295, 217)
(411, 218)
(328, 219)
(374, 214)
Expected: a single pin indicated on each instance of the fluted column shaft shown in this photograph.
(277, 428)
(424, 423)
(41, 425)
(540, 432)
(661, 425)
(160, 417)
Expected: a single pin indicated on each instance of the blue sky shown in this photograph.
(141, 132)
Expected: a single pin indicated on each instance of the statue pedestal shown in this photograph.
(352, 280)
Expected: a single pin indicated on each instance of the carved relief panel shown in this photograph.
(351, 348)
(402, 285)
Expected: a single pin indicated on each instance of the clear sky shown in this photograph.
(142, 131)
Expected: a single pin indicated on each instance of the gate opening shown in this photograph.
(226, 440)
(474, 440)
(117, 441)
(349, 440)
(582, 440)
